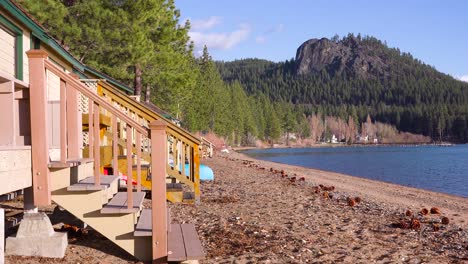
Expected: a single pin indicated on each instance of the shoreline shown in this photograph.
(330, 145)
(348, 175)
(380, 191)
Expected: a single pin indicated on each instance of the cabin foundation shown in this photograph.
(36, 237)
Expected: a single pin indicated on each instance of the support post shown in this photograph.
(39, 140)
(158, 187)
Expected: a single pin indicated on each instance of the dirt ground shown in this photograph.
(254, 213)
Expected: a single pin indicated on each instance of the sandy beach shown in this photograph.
(250, 214)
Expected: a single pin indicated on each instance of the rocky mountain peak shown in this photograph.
(351, 55)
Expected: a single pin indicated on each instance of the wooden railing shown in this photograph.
(206, 148)
(182, 146)
(70, 127)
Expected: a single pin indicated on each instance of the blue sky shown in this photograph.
(434, 31)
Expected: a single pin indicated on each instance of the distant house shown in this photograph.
(363, 139)
(334, 140)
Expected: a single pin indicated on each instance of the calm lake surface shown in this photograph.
(440, 169)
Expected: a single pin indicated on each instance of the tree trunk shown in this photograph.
(137, 81)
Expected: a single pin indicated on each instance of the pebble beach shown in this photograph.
(264, 212)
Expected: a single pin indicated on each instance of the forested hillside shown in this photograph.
(347, 87)
(358, 76)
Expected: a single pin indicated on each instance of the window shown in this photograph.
(11, 54)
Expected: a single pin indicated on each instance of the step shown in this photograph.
(87, 184)
(118, 204)
(188, 197)
(174, 187)
(144, 225)
(183, 243)
(69, 163)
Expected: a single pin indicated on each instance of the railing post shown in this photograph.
(196, 173)
(74, 124)
(115, 146)
(63, 122)
(96, 144)
(182, 162)
(39, 140)
(158, 187)
(138, 152)
(129, 167)
(90, 128)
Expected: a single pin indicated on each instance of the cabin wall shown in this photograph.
(15, 129)
(15, 169)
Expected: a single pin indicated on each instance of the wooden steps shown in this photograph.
(183, 243)
(87, 184)
(68, 163)
(118, 204)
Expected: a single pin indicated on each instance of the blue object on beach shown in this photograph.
(206, 173)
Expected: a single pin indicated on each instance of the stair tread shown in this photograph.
(69, 163)
(173, 187)
(118, 204)
(188, 196)
(183, 243)
(87, 184)
(144, 225)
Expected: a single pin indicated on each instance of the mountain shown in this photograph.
(357, 76)
(356, 58)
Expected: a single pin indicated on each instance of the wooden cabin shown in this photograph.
(69, 133)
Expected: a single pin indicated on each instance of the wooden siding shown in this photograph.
(15, 169)
(7, 52)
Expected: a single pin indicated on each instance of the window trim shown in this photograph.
(18, 45)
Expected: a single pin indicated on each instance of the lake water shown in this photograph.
(440, 169)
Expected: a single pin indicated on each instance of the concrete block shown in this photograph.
(36, 237)
(2, 236)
